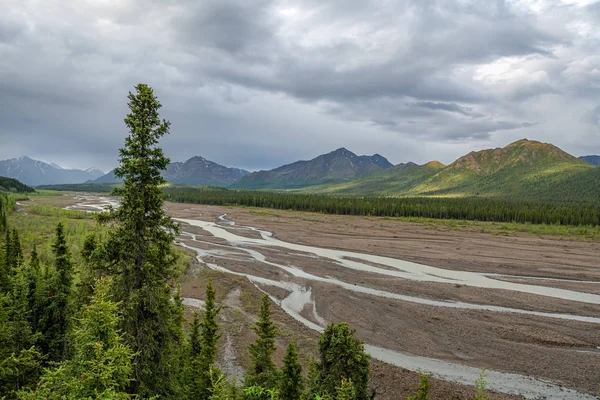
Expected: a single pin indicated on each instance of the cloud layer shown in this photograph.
(255, 84)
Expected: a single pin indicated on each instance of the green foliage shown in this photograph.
(346, 390)
(480, 385)
(57, 309)
(203, 348)
(291, 385)
(262, 371)
(14, 186)
(138, 251)
(260, 393)
(20, 371)
(341, 356)
(101, 366)
(423, 388)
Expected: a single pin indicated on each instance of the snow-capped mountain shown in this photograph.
(34, 172)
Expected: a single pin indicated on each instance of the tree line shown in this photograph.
(467, 208)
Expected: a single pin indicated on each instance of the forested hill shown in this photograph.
(13, 185)
(337, 166)
(524, 169)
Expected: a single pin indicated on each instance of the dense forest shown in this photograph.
(13, 185)
(465, 208)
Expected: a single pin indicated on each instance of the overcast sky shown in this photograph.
(256, 84)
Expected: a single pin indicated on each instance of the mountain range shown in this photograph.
(338, 166)
(594, 160)
(197, 171)
(525, 169)
(33, 172)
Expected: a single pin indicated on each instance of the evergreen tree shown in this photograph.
(17, 252)
(262, 371)
(203, 363)
(290, 382)
(138, 251)
(6, 263)
(195, 344)
(32, 274)
(101, 366)
(57, 310)
(342, 355)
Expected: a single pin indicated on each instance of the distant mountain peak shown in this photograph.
(34, 172)
(523, 152)
(196, 171)
(435, 164)
(337, 166)
(591, 159)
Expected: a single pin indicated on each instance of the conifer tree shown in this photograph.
(138, 251)
(57, 310)
(32, 274)
(262, 371)
(290, 382)
(17, 252)
(5, 264)
(204, 361)
(342, 355)
(101, 366)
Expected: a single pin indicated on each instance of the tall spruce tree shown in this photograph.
(204, 350)
(57, 307)
(342, 356)
(138, 251)
(32, 274)
(6, 263)
(291, 384)
(262, 371)
(101, 366)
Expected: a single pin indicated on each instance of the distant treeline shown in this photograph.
(79, 187)
(467, 208)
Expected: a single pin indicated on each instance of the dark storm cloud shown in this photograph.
(259, 83)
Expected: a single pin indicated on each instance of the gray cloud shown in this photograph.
(259, 83)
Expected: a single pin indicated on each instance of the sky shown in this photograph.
(260, 83)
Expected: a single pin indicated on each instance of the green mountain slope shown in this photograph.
(398, 179)
(13, 185)
(526, 170)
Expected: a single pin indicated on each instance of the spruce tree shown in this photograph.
(6, 264)
(17, 252)
(342, 355)
(57, 310)
(32, 274)
(204, 361)
(101, 366)
(262, 371)
(290, 381)
(139, 251)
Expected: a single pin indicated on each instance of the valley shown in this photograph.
(514, 305)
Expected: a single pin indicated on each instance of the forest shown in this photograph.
(463, 208)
